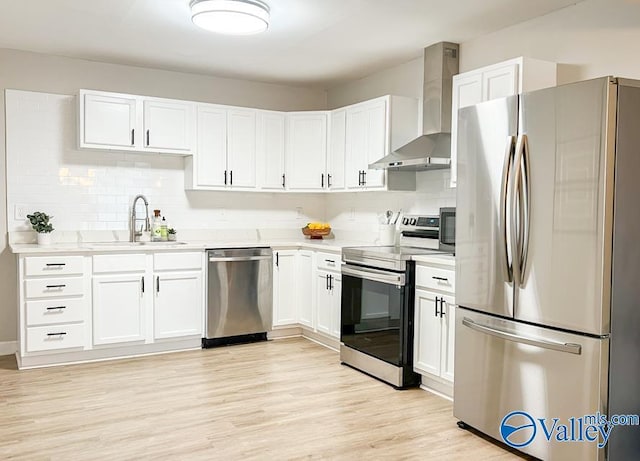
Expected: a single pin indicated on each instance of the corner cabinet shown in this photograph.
(306, 150)
(496, 81)
(115, 121)
(434, 323)
(373, 130)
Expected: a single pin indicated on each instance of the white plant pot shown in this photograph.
(44, 239)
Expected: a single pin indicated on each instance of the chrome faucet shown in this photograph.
(133, 233)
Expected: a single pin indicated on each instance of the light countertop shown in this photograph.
(442, 260)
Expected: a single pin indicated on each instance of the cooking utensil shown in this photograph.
(389, 215)
(397, 216)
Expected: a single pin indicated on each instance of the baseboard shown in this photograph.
(8, 347)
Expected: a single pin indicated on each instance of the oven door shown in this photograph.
(374, 316)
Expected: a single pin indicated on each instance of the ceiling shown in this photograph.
(315, 43)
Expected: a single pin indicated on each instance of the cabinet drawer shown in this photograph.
(55, 337)
(54, 288)
(53, 265)
(436, 279)
(50, 311)
(119, 263)
(329, 261)
(177, 261)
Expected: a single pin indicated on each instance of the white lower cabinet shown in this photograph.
(305, 288)
(328, 296)
(284, 287)
(178, 304)
(119, 308)
(433, 341)
(434, 326)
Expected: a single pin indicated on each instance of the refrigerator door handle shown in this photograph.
(504, 197)
(523, 185)
(570, 348)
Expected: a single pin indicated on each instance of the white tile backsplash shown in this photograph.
(93, 189)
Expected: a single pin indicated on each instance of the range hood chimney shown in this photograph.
(432, 150)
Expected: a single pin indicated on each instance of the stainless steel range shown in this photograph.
(378, 289)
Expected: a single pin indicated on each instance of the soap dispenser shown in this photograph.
(156, 227)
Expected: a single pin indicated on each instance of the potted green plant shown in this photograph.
(171, 234)
(40, 222)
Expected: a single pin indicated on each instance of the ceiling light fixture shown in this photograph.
(231, 17)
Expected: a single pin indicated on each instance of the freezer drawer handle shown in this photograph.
(571, 348)
(240, 258)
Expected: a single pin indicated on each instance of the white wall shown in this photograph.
(51, 74)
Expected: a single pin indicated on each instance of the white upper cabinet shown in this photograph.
(496, 81)
(306, 151)
(271, 150)
(108, 121)
(336, 154)
(225, 156)
(135, 123)
(168, 125)
(241, 147)
(373, 130)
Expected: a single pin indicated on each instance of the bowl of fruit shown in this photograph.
(316, 230)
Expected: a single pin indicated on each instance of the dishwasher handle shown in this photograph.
(216, 259)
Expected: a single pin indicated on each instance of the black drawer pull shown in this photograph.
(56, 286)
(332, 261)
(444, 279)
(62, 333)
(54, 308)
(55, 264)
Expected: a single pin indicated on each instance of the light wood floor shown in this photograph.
(285, 399)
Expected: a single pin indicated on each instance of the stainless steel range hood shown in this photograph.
(432, 150)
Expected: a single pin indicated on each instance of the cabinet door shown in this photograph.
(324, 304)
(500, 82)
(178, 304)
(118, 308)
(467, 91)
(355, 146)
(284, 288)
(448, 338)
(305, 289)
(336, 154)
(109, 121)
(306, 151)
(428, 334)
(271, 150)
(168, 125)
(336, 299)
(241, 147)
(378, 144)
(211, 155)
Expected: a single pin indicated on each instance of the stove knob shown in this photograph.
(413, 221)
(405, 221)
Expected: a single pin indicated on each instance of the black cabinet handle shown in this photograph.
(331, 282)
(133, 136)
(322, 180)
(283, 180)
(62, 333)
(55, 264)
(444, 279)
(143, 283)
(225, 177)
(277, 259)
(328, 180)
(53, 308)
(147, 138)
(231, 177)
(326, 281)
(56, 286)
(359, 177)
(364, 178)
(442, 312)
(437, 313)
(332, 261)
(158, 284)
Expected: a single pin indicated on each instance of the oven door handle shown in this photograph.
(374, 275)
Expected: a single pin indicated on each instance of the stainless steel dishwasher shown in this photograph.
(239, 295)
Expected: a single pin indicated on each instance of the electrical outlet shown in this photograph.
(299, 212)
(20, 212)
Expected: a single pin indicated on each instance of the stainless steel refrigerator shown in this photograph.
(548, 269)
